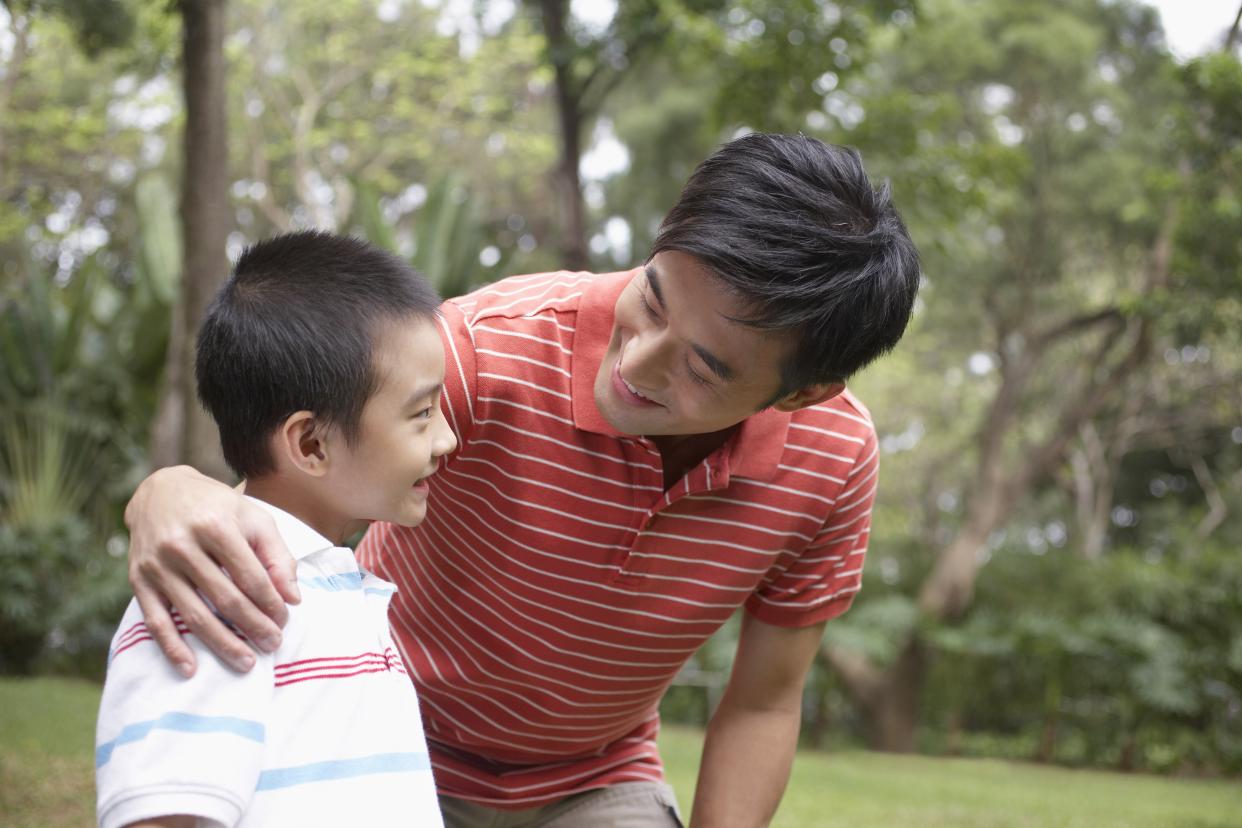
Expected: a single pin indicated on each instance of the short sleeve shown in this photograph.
(458, 401)
(821, 582)
(171, 745)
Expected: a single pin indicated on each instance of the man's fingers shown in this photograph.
(163, 630)
(199, 618)
(229, 601)
(246, 596)
(281, 568)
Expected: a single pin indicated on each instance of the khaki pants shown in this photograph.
(628, 805)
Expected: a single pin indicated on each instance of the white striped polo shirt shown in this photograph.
(555, 588)
(323, 732)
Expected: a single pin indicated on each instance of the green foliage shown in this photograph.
(344, 106)
(1130, 660)
(878, 627)
(1210, 227)
(60, 598)
(77, 389)
(449, 234)
(99, 24)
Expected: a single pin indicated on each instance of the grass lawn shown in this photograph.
(47, 748)
(862, 789)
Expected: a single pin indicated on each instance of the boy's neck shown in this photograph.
(303, 505)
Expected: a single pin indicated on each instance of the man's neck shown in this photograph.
(682, 452)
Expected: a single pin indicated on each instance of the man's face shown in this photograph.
(676, 364)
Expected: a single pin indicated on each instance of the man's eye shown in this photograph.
(696, 376)
(642, 297)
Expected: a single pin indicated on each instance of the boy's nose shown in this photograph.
(445, 441)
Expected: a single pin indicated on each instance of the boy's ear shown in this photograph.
(811, 395)
(300, 439)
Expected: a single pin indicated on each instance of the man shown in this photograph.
(640, 454)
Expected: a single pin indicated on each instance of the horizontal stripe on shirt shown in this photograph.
(182, 723)
(274, 778)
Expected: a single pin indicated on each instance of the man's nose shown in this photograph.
(642, 359)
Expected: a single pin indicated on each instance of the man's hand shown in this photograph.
(186, 532)
(753, 734)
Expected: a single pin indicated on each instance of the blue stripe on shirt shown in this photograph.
(335, 583)
(342, 769)
(184, 723)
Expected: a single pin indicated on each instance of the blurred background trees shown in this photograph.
(1053, 572)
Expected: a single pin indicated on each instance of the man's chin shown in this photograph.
(624, 425)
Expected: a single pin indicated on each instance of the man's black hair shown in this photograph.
(293, 330)
(793, 227)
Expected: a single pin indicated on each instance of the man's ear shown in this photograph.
(300, 442)
(811, 395)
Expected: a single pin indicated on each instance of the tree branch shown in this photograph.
(1218, 509)
(1073, 326)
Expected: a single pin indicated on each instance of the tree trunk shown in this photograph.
(167, 439)
(1095, 484)
(204, 211)
(569, 124)
(895, 708)
(19, 26)
(889, 698)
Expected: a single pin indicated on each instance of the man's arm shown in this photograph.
(753, 735)
(186, 532)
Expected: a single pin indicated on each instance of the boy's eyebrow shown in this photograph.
(423, 393)
(717, 365)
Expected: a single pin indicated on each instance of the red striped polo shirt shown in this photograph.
(555, 588)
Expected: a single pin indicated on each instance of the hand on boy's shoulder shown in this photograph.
(185, 528)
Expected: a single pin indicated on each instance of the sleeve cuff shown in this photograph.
(214, 809)
(787, 616)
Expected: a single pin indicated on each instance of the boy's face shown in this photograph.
(402, 433)
(676, 364)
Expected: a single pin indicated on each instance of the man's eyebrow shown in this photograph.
(654, 281)
(423, 393)
(717, 365)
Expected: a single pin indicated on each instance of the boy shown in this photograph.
(321, 364)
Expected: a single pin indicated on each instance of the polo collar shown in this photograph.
(592, 332)
(301, 540)
(754, 451)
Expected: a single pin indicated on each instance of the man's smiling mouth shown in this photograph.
(634, 390)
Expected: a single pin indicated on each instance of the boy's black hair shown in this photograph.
(794, 228)
(293, 330)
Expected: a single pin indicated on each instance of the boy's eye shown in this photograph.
(425, 414)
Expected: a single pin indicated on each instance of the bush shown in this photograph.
(60, 598)
(1127, 662)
